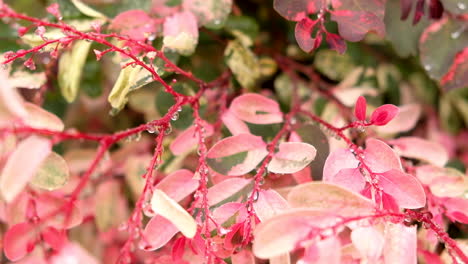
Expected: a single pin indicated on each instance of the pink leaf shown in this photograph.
(281, 234)
(55, 238)
(400, 244)
(456, 76)
(351, 179)
(186, 140)
(292, 157)
(380, 157)
(303, 33)
(226, 211)
(256, 109)
(404, 188)
(303, 175)
(337, 160)
(234, 124)
(178, 184)
(369, 242)
(353, 25)
(443, 182)
(19, 240)
(325, 251)
(157, 233)
(456, 209)
(329, 198)
(226, 189)
(73, 253)
(46, 204)
(418, 148)
(15, 175)
(384, 114)
(137, 29)
(405, 120)
(336, 42)
(237, 155)
(243, 257)
(360, 108)
(269, 204)
(296, 10)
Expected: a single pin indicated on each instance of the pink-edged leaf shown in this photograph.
(280, 234)
(42, 119)
(303, 32)
(108, 211)
(243, 257)
(186, 140)
(11, 102)
(157, 233)
(430, 257)
(54, 237)
(400, 244)
(337, 160)
(325, 251)
(292, 157)
(457, 76)
(138, 29)
(421, 149)
(443, 182)
(384, 114)
(335, 42)
(380, 157)
(228, 190)
(405, 120)
(404, 188)
(237, 155)
(181, 33)
(19, 240)
(405, 8)
(353, 26)
(15, 175)
(72, 253)
(456, 209)
(369, 242)
(46, 204)
(234, 124)
(226, 211)
(256, 109)
(351, 179)
(172, 211)
(269, 204)
(178, 184)
(178, 249)
(360, 108)
(296, 10)
(329, 198)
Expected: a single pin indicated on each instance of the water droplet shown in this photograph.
(175, 116)
(461, 6)
(168, 130)
(256, 194)
(98, 54)
(217, 22)
(29, 63)
(223, 231)
(455, 35)
(179, 109)
(152, 129)
(40, 31)
(151, 55)
(427, 67)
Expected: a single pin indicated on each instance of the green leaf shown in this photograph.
(87, 10)
(210, 13)
(243, 63)
(52, 174)
(437, 56)
(70, 69)
(333, 65)
(405, 42)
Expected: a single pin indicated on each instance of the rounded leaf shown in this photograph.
(360, 108)
(178, 184)
(292, 157)
(237, 155)
(42, 119)
(418, 148)
(326, 197)
(52, 174)
(157, 233)
(404, 188)
(384, 114)
(15, 175)
(17, 240)
(269, 204)
(256, 109)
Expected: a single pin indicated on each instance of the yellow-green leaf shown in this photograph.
(70, 69)
(172, 211)
(87, 10)
(243, 63)
(52, 174)
(130, 78)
